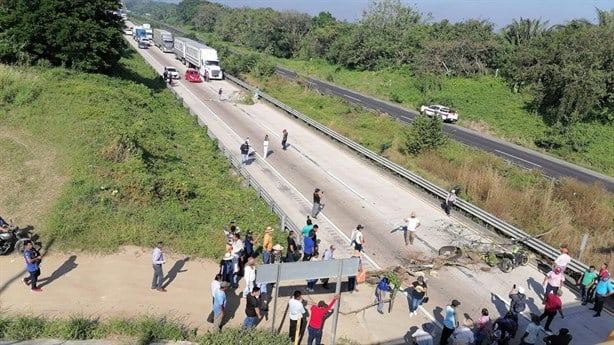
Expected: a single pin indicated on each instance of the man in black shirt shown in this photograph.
(317, 200)
(292, 250)
(252, 309)
(563, 338)
(244, 152)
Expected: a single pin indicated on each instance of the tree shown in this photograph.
(523, 31)
(425, 133)
(85, 34)
(206, 16)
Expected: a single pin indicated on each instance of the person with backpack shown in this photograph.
(380, 293)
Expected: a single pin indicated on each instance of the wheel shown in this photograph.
(524, 259)
(20, 247)
(5, 247)
(506, 265)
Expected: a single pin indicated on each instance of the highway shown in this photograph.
(524, 157)
(356, 192)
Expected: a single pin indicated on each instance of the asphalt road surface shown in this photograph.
(526, 158)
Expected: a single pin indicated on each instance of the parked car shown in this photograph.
(172, 71)
(192, 76)
(446, 114)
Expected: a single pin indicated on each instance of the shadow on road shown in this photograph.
(172, 273)
(23, 272)
(66, 267)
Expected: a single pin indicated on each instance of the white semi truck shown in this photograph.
(148, 32)
(163, 40)
(199, 56)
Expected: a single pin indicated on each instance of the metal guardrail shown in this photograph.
(473, 211)
(274, 207)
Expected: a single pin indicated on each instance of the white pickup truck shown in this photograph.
(447, 114)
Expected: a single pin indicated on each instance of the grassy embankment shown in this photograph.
(129, 166)
(486, 104)
(565, 211)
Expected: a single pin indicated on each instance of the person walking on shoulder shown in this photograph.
(33, 259)
(252, 309)
(296, 312)
(317, 206)
(318, 312)
(265, 146)
(219, 306)
(449, 322)
(357, 239)
(244, 152)
(450, 201)
(284, 139)
(157, 261)
(411, 224)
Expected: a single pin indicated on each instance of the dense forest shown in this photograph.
(568, 69)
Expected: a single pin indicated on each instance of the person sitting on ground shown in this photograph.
(563, 338)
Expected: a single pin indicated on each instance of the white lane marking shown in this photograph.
(431, 317)
(346, 185)
(281, 177)
(518, 158)
(350, 97)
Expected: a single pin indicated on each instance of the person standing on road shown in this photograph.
(33, 259)
(555, 280)
(219, 94)
(284, 139)
(296, 312)
(449, 322)
(318, 312)
(586, 281)
(219, 306)
(603, 290)
(411, 224)
(265, 146)
(553, 304)
(357, 239)
(252, 309)
(308, 246)
(244, 152)
(317, 206)
(267, 245)
(518, 300)
(450, 201)
(157, 261)
(531, 332)
(417, 294)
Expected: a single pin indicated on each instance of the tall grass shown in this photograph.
(561, 212)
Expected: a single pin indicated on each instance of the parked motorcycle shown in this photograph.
(515, 255)
(15, 238)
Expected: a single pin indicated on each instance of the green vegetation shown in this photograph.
(545, 88)
(136, 168)
(81, 35)
(142, 331)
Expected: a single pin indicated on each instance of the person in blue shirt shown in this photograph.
(603, 290)
(33, 259)
(380, 293)
(308, 246)
(219, 306)
(449, 322)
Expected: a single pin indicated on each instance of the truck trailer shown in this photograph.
(148, 32)
(199, 56)
(163, 40)
(138, 33)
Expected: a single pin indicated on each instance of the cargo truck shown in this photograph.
(198, 56)
(148, 32)
(138, 33)
(163, 40)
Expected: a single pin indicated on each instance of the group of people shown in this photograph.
(246, 148)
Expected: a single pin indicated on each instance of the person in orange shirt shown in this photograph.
(267, 245)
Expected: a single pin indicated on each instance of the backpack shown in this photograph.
(520, 306)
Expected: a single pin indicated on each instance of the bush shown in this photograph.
(425, 133)
(251, 336)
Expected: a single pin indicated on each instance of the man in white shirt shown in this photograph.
(157, 259)
(296, 312)
(463, 335)
(249, 274)
(329, 254)
(237, 244)
(411, 224)
(423, 336)
(564, 259)
(357, 239)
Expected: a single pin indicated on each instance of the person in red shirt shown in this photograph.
(553, 304)
(318, 312)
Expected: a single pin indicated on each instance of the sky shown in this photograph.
(500, 12)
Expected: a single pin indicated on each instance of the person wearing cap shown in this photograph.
(449, 322)
(318, 312)
(357, 239)
(463, 335)
(409, 230)
(563, 259)
(603, 290)
(284, 139)
(450, 201)
(329, 254)
(563, 338)
(553, 304)
(317, 202)
(267, 245)
(292, 251)
(423, 336)
(531, 332)
(555, 279)
(219, 305)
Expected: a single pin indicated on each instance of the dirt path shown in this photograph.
(118, 285)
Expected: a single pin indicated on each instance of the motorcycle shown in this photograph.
(515, 255)
(15, 238)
